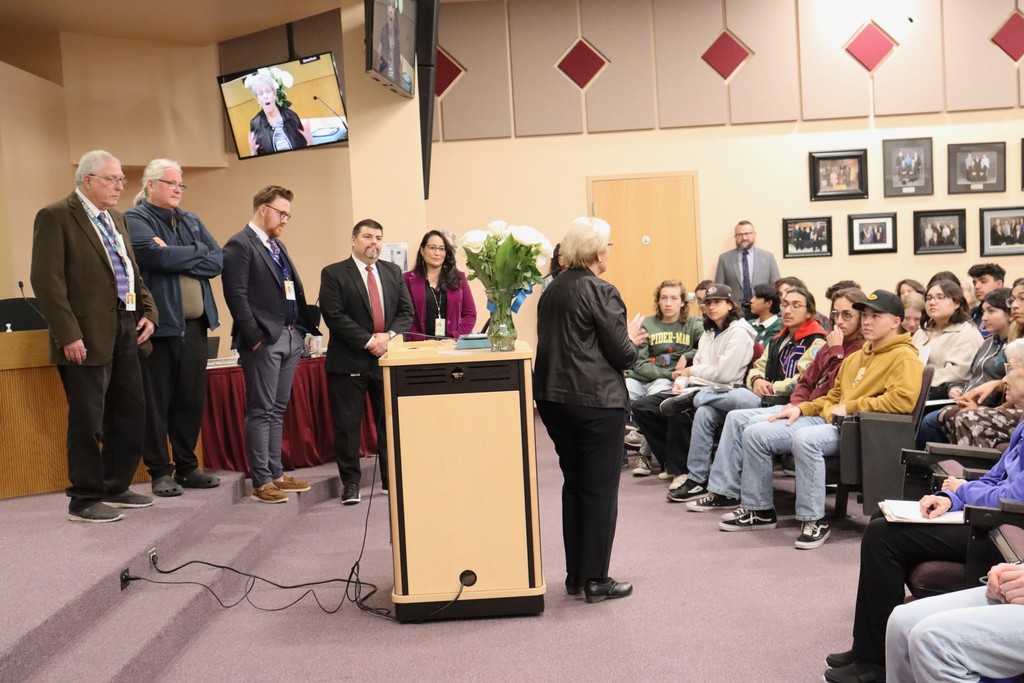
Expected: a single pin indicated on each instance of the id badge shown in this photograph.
(129, 301)
(439, 327)
(289, 290)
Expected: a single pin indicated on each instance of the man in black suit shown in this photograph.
(264, 294)
(365, 303)
(99, 313)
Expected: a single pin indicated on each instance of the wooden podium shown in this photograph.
(463, 481)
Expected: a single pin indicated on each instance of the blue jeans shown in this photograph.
(725, 470)
(638, 389)
(761, 442)
(712, 407)
(811, 446)
(929, 430)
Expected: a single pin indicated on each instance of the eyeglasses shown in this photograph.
(845, 315)
(935, 297)
(180, 186)
(283, 215)
(109, 179)
(436, 248)
(1019, 299)
(796, 306)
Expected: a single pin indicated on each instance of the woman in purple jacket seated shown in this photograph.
(442, 302)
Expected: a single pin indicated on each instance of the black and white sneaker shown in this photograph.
(691, 490)
(711, 502)
(643, 466)
(813, 534)
(749, 520)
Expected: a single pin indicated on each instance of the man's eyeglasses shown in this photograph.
(110, 179)
(180, 186)
(845, 315)
(796, 305)
(283, 215)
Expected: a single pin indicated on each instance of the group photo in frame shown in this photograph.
(806, 237)
(977, 167)
(940, 232)
(872, 233)
(908, 167)
(838, 175)
(1002, 231)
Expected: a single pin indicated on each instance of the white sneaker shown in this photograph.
(665, 475)
(634, 440)
(678, 481)
(643, 466)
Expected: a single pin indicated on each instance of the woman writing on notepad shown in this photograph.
(890, 551)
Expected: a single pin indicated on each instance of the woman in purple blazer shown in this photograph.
(442, 302)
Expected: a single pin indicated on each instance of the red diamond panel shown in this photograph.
(725, 55)
(870, 46)
(581, 64)
(447, 71)
(1011, 37)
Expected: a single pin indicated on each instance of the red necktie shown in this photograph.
(375, 305)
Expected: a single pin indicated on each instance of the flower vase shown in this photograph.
(501, 331)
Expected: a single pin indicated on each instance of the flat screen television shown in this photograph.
(285, 107)
(391, 43)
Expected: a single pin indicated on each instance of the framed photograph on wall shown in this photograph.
(908, 167)
(806, 237)
(940, 232)
(872, 233)
(1002, 231)
(838, 175)
(977, 167)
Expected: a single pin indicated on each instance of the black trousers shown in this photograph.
(668, 437)
(589, 446)
(888, 553)
(347, 396)
(106, 414)
(174, 377)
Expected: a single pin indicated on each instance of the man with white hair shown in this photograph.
(99, 313)
(179, 257)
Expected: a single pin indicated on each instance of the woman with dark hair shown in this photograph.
(948, 339)
(442, 302)
(557, 265)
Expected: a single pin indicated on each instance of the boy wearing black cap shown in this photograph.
(883, 377)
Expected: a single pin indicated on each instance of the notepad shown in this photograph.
(909, 512)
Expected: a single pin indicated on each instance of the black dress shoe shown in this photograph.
(860, 671)
(840, 659)
(598, 591)
(573, 586)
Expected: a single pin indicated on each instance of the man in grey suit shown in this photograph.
(99, 313)
(746, 266)
(365, 303)
(264, 294)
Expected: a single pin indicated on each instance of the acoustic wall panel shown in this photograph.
(979, 75)
(833, 84)
(478, 105)
(909, 81)
(621, 97)
(689, 91)
(545, 101)
(767, 87)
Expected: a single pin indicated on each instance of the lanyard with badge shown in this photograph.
(116, 241)
(289, 284)
(439, 323)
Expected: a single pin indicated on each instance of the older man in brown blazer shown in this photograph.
(99, 313)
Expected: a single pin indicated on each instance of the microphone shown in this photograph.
(330, 110)
(21, 286)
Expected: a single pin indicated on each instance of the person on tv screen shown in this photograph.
(388, 56)
(276, 128)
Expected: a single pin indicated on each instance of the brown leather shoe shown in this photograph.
(291, 484)
(269, 493)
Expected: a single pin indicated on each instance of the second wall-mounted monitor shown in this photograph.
(285, 107)
(391, 43)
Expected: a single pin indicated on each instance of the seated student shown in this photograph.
(960, 636)
(723, 353)
(948, 339)
(776, 372)
(884, 376)
(890, 551)
(913, 312)
(671, 343)
(904, 287)
(764, 304)
(775, 439)
(984, 278)
(965, 422)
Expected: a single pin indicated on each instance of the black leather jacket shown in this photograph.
(582, 343)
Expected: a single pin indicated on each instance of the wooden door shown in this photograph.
(654, 237)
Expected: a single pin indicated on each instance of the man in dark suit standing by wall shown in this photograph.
(264, 294)
(99, 312)
(746, 266)
(364, 303)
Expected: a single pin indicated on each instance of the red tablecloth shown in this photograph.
(308, 430)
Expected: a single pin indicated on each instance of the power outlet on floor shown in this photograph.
(124, 578)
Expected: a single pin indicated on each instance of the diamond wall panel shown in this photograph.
(581, 63)
(1011, 37)
(725, 55)
(870, 46)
